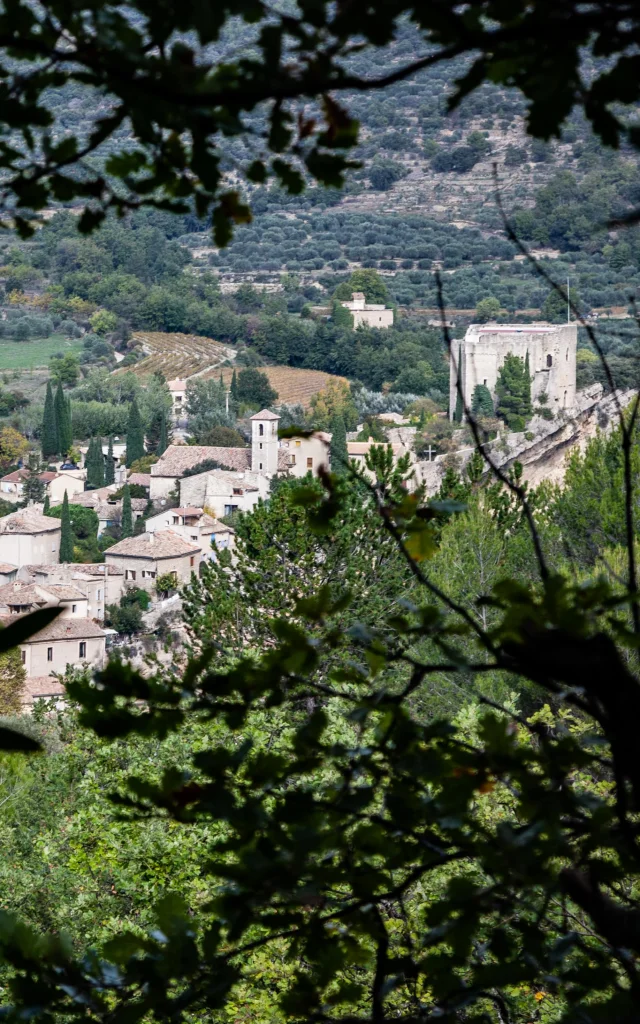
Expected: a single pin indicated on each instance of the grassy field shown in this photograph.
(24, 355)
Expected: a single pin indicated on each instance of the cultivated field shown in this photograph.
(178, 355)
(26, 355)
(294, 386)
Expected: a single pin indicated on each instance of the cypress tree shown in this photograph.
(234, 387)
(135, 435)
(457, 416)
(109, 469)
(338, 448)
(66, 536)
(63, 421)
(163, 441)
(127, 518)
(49, 438)
(45, 505)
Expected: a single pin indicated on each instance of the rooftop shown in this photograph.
(179, 458)
(7, 567)
(266, 414)
(177, 385)
(28, 521)
(16, 477)
(41, 687)
(67, 629)
(142, 479)
(163, 544)
(64, 568)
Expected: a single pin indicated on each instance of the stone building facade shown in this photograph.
(368, 314)
(552, 360)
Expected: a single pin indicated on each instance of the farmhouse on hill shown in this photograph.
(368, 314)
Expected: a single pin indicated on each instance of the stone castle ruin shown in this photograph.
(552, 361)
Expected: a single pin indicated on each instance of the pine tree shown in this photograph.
(49, 437)
(135, 435)
(513, 391)
(63, 421)
(338, 449)
(482, 402)
(109, 469)
(127, 518)
(234, 387)
(163, 441)
(66, 536)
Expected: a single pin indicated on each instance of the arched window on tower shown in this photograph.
(549, 361)
(261, 430)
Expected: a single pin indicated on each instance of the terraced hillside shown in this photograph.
(294, 386)
(179, 355)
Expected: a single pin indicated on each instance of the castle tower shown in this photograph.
(264, 442)
(551, 349)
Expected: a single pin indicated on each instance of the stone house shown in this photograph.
(109, 509)
(196, 526)
(178, 391)
(369, 314)
(144, 558)
(551, 348)
(221, 493)
(12, 485)
(71, 481)
(99, 583)
(65, 641)
(307, 454)
(27, 537)
(21, 597)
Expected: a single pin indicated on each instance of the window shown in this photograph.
(194, 536)
(23, 655)
(549, 361)
(309, 463)
(99, 595)
(74, 607)
(260, 465)
(49, 653)
(298, 443)
(229, 509)
(192, 560)
(261, 446)
(82, 649)
(261, 430)
(485, 382)
(130, 574)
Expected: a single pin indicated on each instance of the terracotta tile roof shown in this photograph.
(40, 687)
(28, 521)
(6, 567)
(266, 414)
(188, 510)
(142, 479)
(67, 629)
(66, 593)
(85, 568)
(163, 544)
(217, 527)
(48, 477)
(20, 592)
(177, 385)
(17, 476)
(138, 504)
(178, 458)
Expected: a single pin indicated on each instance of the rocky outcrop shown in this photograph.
(543, 455)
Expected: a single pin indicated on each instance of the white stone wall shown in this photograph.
(64, 652)
(142, 572)
(552, 361)
(303, 449)
(30, 549)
